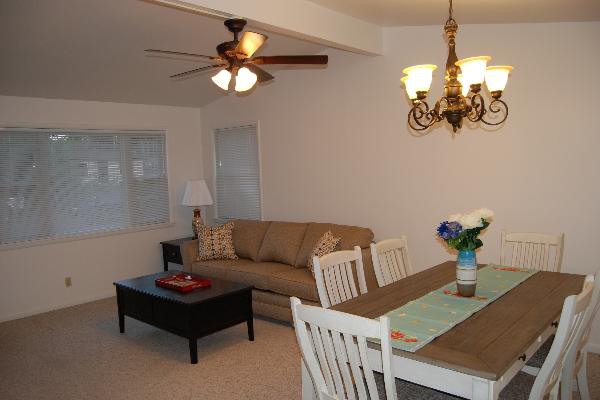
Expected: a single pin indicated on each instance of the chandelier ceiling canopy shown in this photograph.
(462, 97)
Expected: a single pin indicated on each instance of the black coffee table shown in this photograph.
(190, 315)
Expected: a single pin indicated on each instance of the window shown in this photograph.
(237, 173)
(58, 183)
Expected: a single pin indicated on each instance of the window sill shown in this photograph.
(45, 242)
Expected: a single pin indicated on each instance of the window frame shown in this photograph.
(93, 129)
(216, 217)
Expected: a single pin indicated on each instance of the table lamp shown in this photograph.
(196, 195)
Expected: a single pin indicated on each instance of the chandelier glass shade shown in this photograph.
(462, 87)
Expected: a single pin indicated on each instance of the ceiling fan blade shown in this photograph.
(249, 43)
(261, 74)
(317, 60)
(193, 71)
(178, 53)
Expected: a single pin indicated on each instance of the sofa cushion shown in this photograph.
(297, 282)
(256, 274)
(248, 235)
(282, 242)
(325, 245)
(216, 243)
(217, 268)
(351, 236)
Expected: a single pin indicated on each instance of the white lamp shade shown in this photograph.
(244, 80)
(420, 76)
(496, 77)
(197, 194)
(222, 79)
(473, 68)
(410, 87)
(465, 84)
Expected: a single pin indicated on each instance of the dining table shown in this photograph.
(478, 357)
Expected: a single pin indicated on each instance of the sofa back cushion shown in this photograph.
(351, 236)
(248, 236)
(282, 242)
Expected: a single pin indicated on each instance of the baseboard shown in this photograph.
(594, 348)
(54, 308)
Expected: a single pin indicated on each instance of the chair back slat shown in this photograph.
(391, 261)
(334, 351)
(567, 335)
(532, 250)
(577, 354)
(335, 279)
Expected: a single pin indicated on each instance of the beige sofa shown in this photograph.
(272, 258)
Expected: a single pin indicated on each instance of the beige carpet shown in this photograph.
(78, 353)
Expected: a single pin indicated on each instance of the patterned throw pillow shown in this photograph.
(325, 245)
(216, 243)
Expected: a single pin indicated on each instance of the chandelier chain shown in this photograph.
(450, 10)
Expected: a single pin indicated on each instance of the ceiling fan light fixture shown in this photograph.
(222, 79)
(245, 80)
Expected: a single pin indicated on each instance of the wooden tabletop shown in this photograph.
(491, 340)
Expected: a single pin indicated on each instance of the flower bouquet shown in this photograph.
(461, 233)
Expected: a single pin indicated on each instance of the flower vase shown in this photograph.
(466, 273)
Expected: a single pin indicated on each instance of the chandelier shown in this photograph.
(462, 97)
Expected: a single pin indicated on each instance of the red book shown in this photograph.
(182, 282)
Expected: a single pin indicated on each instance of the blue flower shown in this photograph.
(449, 230)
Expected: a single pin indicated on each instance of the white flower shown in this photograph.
(454, 218)
(470, 221)
(484, 213)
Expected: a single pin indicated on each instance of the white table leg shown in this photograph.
(484, 389)
(308, 390)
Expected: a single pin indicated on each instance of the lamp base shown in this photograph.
(196, 222)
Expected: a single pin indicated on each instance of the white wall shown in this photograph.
(32, 278)
(335, 146)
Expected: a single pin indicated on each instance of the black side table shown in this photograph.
(172, 251)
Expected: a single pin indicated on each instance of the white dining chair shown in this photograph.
(539, 251)
(569, 331)
(334, 277)
(390, 260)
(334, 350)
(575, 368)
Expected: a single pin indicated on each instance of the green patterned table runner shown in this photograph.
(418, 322)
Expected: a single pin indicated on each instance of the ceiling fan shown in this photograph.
(235, 59)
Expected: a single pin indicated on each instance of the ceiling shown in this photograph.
(435, 12)
(93, 50)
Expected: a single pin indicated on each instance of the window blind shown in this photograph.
(58, 183)
(237, 173)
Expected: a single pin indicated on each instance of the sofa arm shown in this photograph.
(189, 253)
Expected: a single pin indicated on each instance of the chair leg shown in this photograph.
(582, 383)
(553, 395)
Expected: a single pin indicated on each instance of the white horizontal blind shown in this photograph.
(237, 173)
(58, 183)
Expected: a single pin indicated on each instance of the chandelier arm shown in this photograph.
(421, 112)
(477, 109)
(496, 106)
